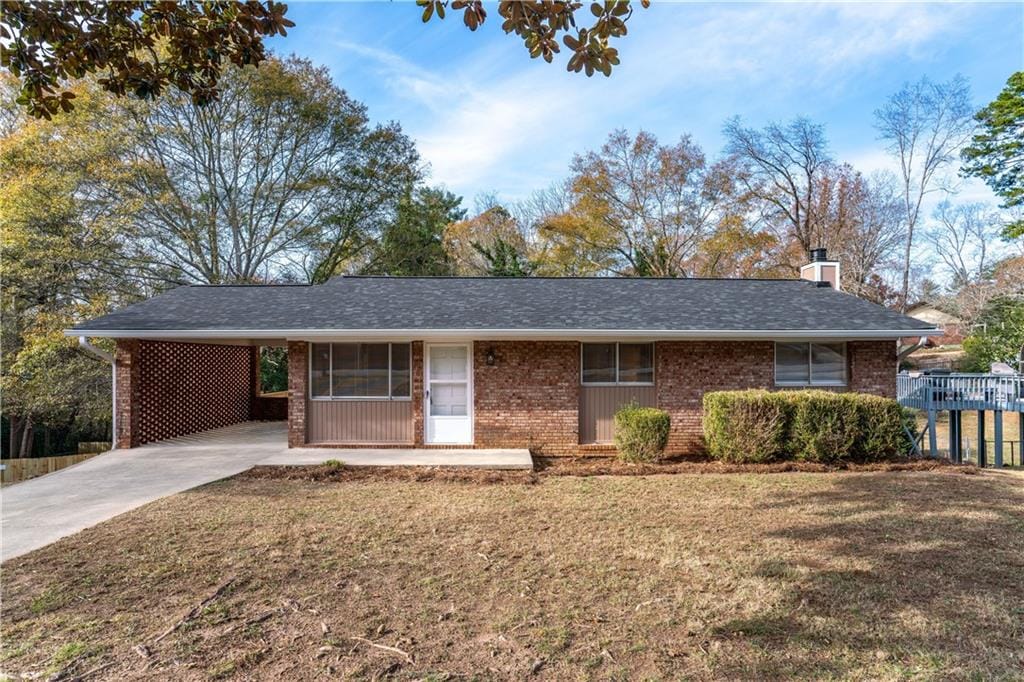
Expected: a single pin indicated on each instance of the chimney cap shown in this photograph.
(819, 255)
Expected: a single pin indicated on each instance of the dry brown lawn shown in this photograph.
(852, 575)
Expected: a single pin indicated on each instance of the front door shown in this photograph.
(448, 404)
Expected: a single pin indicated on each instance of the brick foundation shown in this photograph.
(165, 389)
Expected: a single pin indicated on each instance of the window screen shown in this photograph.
(806, 364)
(360, 370)
(636, 363)
(599, 363)
(618, 363)
(320, 371)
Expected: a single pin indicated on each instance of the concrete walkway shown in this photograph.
(44, 509)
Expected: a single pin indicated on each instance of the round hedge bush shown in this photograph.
(641, 433)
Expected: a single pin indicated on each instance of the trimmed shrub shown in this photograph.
(882, 432)
(826, 426)
(641, 433)
(814, 426)
(746, 426)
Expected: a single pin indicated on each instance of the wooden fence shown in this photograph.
(94, 447)
(15, 470)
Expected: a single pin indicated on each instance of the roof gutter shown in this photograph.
(497, 334)
(104, 355)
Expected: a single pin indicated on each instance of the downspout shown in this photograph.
(921, 343)
(104, 355)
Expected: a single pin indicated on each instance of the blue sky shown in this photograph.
(487, 118)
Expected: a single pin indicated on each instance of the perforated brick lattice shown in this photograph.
(184, 388)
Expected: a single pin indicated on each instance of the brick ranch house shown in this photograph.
(470, 362)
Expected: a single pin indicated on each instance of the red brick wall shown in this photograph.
(685, 370)
(127, 399)
(529, 398)
(872, 366)
(417, 393)
(298, 377)
(173, 389)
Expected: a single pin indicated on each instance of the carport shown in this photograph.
(166, 388)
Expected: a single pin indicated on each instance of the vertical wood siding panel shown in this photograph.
(598, 405)
(360, 421)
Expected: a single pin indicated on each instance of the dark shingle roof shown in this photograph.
(482, 303)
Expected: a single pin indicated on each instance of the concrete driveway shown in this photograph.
(42, 510)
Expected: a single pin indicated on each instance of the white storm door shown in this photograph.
(449, 398)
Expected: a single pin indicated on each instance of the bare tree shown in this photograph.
(924, 125)
(875, 237)
(283, 170)
(782, 167)
(963, 237)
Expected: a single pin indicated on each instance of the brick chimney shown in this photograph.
(821, 269)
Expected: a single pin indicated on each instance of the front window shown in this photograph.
(810, 364)
(618, 363)
(360, 370)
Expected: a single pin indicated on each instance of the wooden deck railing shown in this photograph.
(961, 392)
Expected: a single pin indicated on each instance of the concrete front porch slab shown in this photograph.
(481, 459)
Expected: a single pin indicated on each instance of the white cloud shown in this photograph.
(403, 77)
(501, 121)
(475, 125)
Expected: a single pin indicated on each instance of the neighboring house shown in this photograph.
(952, 326)
(487, 362)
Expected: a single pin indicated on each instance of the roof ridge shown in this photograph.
(567, 277)
(266, 284)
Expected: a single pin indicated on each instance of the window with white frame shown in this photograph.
(617, 363)
(360, 370)
(810, 364)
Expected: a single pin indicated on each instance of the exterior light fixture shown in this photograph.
(489, 358)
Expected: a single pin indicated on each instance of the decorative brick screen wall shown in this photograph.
(173, 389)
(529, 397)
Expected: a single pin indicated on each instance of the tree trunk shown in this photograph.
(26, 437)
(905, 291)
(12, 436)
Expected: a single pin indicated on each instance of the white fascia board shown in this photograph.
(504, 334)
